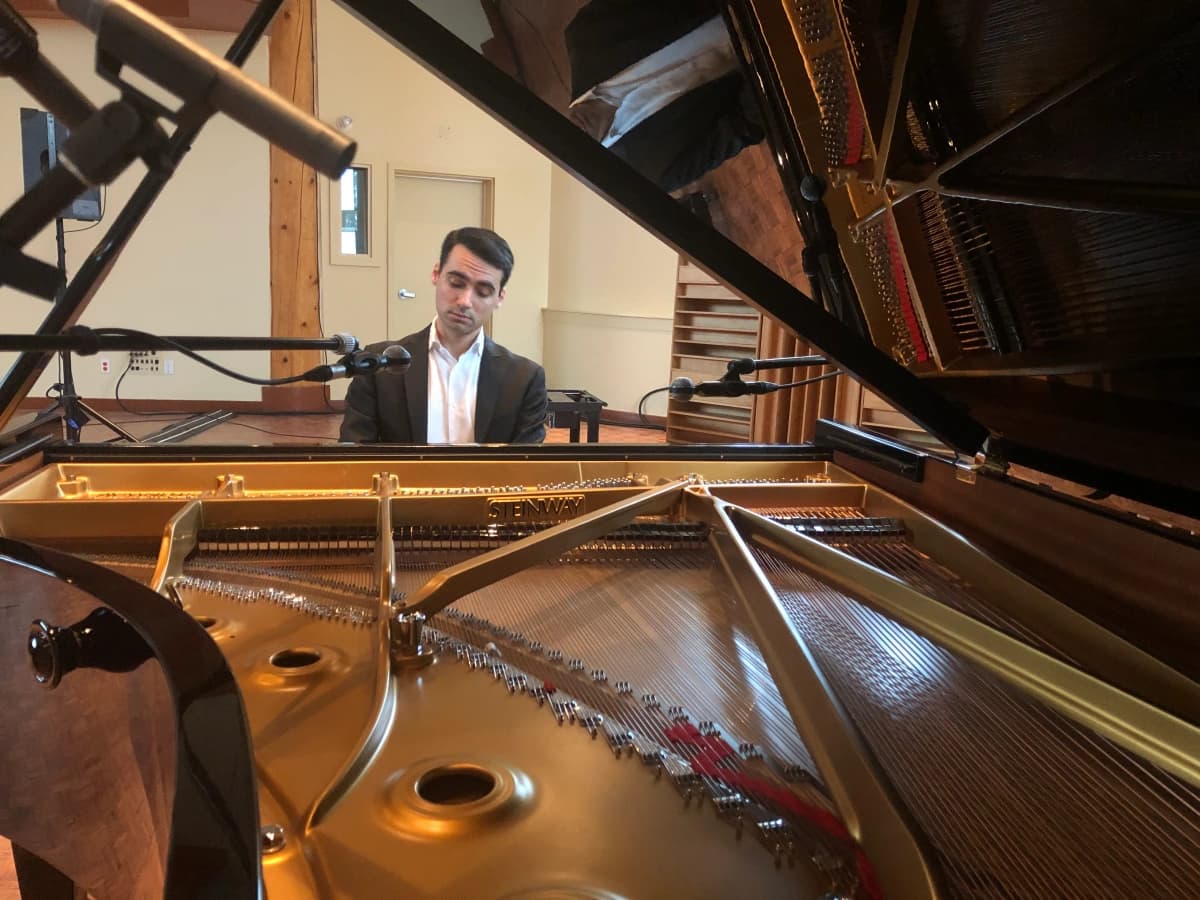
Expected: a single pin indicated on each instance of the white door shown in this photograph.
(421, 211)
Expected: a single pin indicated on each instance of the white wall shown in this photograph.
(617, 358)
(612, 297)
(603, 261)
(199, 263)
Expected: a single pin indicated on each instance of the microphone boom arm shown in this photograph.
(86, 341)
(97, 153)
(683, 388)
(128, 35)
(67, 309)
(746, 365)
(21, 58)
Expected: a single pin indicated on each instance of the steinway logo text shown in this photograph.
(535, 509)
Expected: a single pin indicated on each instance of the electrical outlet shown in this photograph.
(104, 365)
(145, 362)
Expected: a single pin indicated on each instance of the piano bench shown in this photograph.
(567, 408)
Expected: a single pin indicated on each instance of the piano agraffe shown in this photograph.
(842, 669)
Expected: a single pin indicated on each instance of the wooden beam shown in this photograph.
(295, 287)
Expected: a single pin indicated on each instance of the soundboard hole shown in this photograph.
(454, 785)
(206, 621)
(295, 658)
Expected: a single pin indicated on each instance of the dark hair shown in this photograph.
(485, 244)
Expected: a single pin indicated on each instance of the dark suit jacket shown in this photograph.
(392, 407)
(697, 131)
(608, 36)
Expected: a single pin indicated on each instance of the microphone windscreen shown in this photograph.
(396, 357)
(682, 388)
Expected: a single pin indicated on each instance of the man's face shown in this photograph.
(467, 292)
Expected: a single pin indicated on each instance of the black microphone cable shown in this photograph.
(749, 388)
(369, 362)
(192, 354)
(832, 374)
(642, 409)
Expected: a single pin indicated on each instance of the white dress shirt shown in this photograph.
(639, 91)
(453, 385)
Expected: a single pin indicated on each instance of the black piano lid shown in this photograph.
(1118, 413)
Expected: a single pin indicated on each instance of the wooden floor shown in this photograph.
(317, 428)
(8, 877)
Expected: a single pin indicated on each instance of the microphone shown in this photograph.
(360, 362)
(684, 388)
(746, 364)
(21, 59)
(129, 35)
(393, 357)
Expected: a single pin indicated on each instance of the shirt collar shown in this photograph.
(436, 343)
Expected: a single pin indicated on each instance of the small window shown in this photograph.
(352, 238)
(355, 212)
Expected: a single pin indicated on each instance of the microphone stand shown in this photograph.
(76, 412)
(736, 368)
(101, 260)
(102, 148)
(86, 342)
(108, 140)
(731, 385)
(746, 365)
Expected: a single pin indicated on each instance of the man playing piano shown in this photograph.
(461, 387)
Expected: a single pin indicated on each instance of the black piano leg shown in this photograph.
(38, 880)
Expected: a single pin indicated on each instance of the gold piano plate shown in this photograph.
(640, 678)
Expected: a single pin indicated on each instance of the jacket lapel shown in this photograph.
(416, 386)
(487, 391)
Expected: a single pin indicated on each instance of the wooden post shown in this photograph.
(295, 280)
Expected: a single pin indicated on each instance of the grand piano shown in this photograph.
(845, 668)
